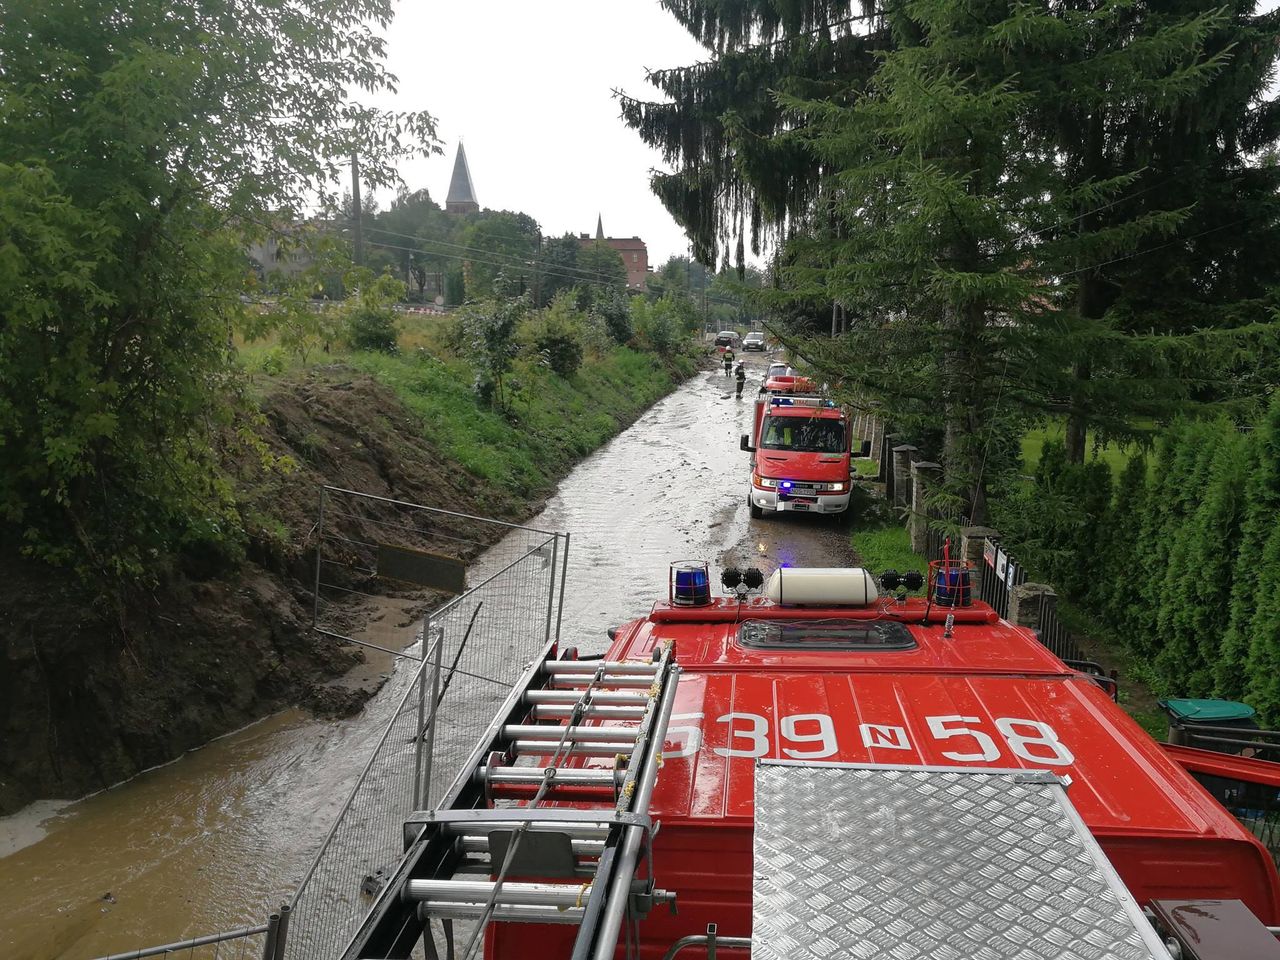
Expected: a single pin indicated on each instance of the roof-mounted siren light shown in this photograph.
(689, 584)
(821, 587)
(951, 583)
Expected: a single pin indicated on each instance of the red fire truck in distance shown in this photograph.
(801, 455)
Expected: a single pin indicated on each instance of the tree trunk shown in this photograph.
(1077, 421)
(1091, 302)
(966, 428)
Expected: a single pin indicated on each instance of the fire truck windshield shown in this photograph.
(803, 436)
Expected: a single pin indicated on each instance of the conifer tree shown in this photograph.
(980, 198)
(1262, 689)
(1261, 516)
(1167, 472)
(734, 183)
(1117, 589)
(1202, 574)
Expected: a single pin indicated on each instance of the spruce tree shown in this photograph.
(980, 203)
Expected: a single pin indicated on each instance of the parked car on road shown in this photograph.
(754, 341)
(727, 338)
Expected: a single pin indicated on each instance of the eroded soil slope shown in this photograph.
(93, 692)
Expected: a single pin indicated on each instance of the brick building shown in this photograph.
(635, 255)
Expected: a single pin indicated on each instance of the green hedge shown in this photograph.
(1181, 556)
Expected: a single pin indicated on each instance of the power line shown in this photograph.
(517, 262)
(498, 253)
(515, 258)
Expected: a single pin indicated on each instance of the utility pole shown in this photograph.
(356, 226)
(537, 277)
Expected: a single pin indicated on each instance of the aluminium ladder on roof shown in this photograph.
(505, 846)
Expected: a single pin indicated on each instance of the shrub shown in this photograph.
(273, 362)
(561, 350)
(559, 334)
(372, 329)
(370, 313)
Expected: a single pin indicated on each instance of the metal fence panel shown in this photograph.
(474, 648)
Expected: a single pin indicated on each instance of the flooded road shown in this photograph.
(216, 839)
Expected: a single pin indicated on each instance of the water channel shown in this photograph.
(214, 840)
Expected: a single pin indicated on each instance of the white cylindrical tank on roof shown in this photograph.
(822, 586)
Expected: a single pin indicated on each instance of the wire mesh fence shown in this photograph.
(475, 647)
(249, 943)
(368, 548)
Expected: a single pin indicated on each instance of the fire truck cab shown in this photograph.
(800, 448)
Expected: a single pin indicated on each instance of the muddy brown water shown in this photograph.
(214, 840)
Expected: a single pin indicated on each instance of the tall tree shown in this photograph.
(498, 243)
(735, 184)
(557, 267)
(144, 142)
(599, 263)
(935, 193)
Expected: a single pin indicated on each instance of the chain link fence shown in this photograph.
(475, 648)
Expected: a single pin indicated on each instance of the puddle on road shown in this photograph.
(214, 840)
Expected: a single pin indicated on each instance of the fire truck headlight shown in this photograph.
(837, 487)
(765, 482)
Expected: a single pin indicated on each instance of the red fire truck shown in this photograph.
(801, 455)
(822, 768)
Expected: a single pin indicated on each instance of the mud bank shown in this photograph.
(91, 692)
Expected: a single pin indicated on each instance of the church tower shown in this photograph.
(462, 196)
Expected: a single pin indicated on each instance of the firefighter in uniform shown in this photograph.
(728, 361)
(741, 374)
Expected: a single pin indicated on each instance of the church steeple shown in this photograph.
(599, 226)
(462, 196)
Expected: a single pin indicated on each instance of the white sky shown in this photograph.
(527, 84)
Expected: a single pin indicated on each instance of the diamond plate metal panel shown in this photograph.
(906, 863)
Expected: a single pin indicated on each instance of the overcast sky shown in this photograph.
(528, 85)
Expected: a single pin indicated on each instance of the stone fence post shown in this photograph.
(1029, 603)
(973, 540)
(923, 477)
(903, 457)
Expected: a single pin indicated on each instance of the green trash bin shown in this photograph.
(1186, 716)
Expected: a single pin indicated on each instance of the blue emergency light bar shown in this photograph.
(800, 402)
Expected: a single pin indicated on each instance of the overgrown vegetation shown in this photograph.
(143, 148)
(512, 395)
(548, 423)
(1179, 554)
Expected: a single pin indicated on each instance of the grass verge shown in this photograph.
(549, 422)
(879, 538)
(1113, 454)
